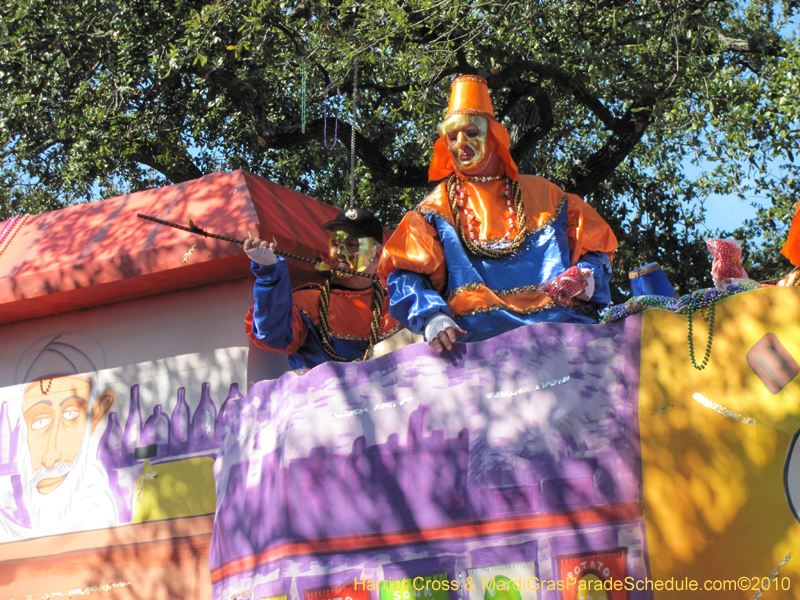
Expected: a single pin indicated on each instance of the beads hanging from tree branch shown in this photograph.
(303, 82)
(353, 138)
(325, 118)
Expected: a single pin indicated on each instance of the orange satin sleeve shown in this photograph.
(415, 246)
(791, 249)
(587, 231)
(299, 329)
(790, 280)
(541, 198)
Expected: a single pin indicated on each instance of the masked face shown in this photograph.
(350, 252)
(467, 140)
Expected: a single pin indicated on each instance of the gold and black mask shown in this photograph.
(358, 257)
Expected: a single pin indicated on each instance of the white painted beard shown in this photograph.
(82, 501)
(51, 513)
(58, 470)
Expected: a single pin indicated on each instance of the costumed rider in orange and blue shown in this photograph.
(489, 251)
(339, 320)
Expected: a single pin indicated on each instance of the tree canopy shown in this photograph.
(609, 99)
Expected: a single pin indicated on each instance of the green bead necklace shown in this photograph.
(694, 305)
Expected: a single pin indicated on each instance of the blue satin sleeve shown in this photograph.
(272, 312)
(412, 299)
(600, 266)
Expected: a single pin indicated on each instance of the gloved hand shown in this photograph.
(588, 284)
(260, 252)
(441, 332)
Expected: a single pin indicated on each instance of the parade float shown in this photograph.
(549, 462)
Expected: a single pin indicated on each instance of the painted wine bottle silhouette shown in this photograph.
(227, 412)
(179, 434)
(133, 426)
(111, 449)
(204, 423)
(156, 431)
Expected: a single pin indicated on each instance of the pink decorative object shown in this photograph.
(564, 287)
(727, 259)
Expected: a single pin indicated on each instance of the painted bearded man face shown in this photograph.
(65, 487)
(56, 411)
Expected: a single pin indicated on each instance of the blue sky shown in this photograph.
(727, 212)
(723, 212)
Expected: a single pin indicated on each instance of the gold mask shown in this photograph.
(358, 260)
(454, 131)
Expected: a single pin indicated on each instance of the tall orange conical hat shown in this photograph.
(469, 95)
(791, 249)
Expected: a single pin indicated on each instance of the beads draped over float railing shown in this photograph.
(687, 304)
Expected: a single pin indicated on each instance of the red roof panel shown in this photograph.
(97, 253)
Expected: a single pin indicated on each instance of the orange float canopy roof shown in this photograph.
(98, 253)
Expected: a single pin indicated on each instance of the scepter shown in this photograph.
(319, 265)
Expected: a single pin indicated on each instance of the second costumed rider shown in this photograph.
(339, 320)
(489, 250)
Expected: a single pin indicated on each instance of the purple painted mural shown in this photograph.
(171, 436)
(510, 458)
(103, 486)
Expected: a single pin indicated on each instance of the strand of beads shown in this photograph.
(472, 218)
(303, 97)
(462, 192)
(639, 303)
(636, 305)
(325, 118)
(513, 223)
(484, 250)
(694, 305)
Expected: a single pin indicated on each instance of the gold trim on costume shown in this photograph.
(476, 179)
(475, 78)
(506, 307)
(467, 287)
(644, 271)
(471, 287)
(434, 213)
(518, 290)
(552, 218)
(474, 112)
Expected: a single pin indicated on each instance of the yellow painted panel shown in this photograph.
(183, 488)
(714, 446)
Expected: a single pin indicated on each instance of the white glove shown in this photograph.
(588, 290)
(263, 255)
(437, 322)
